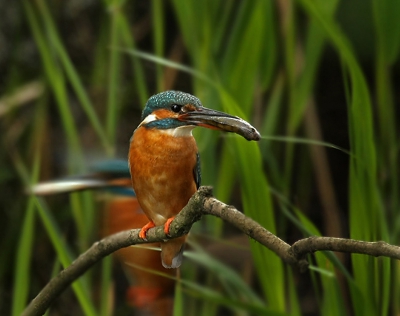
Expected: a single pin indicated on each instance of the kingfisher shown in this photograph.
(150, 291)
(164, 160)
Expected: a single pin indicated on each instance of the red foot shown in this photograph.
(145, 228)
(167, 224)
(141, 297)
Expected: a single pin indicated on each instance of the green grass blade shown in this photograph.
(168, 63)
(332, 302)
(106, 277)
(114, 78)
(387, 32)
(65, 256)
(225, 274)
(385, 14)
(307, 141)
(23, 259)
(294, 309)
(58, 85)
(55, 235)
(210, 296)
(158, 38)
(140, 80)
(255, 195)
(366, 215)
(178, 300)
(72, 74)
(56, 82)
(24, 252)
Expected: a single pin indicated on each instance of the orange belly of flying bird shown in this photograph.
(149, 290)
(162, 176)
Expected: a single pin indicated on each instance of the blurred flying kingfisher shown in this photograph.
(150, 291)
(164, 160)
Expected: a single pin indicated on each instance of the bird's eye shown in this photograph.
(176, 108)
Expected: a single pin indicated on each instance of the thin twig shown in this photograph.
(203, 203)
(312, 244)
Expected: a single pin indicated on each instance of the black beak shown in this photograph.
(217, 120)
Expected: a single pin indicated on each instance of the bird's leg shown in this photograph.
(167, 224)
(145, 228)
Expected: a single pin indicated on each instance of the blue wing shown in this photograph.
(110, 175)
(117, 167)
(197, 172)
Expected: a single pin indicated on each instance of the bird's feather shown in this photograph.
(197, 172)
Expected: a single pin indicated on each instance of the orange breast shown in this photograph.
(162, 172)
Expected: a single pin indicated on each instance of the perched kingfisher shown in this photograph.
(164, 161)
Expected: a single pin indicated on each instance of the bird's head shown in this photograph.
(180, 112)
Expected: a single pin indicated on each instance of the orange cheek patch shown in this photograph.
(163, 113)
(189, 107)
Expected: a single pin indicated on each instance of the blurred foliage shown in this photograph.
(312, 75)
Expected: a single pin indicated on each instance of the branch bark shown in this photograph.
(203, 203)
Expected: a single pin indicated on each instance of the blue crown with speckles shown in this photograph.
(166, 99)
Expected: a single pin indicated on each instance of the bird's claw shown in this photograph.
(145, 228)
(167, 225)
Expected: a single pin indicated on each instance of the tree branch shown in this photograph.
(312, 244)
(203, 203)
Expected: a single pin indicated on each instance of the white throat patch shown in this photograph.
(149, 118)
(181, 131)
